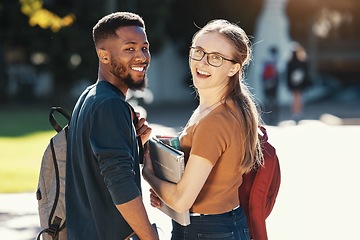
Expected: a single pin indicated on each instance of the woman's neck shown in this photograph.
(209, 100)
(208, 97)
(205, 108)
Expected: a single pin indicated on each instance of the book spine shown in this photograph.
(175, 143)
(171, 141)
(182, 168)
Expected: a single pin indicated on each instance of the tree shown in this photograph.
(61, 30)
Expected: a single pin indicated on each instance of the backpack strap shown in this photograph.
(53, 229)
(52, 119)
(264, 137)
(140, 144)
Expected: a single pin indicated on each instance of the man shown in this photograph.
(103, 192)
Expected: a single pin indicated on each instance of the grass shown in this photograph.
(20, 161)
(24, 136)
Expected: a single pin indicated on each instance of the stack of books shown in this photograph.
(169, 164)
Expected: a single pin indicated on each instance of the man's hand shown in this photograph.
(142, 128)
(134, 213)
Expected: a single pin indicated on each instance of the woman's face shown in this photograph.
(206, 76)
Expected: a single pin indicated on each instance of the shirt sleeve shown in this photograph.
(210, 139)
(112, 139)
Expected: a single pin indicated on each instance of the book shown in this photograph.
(169, 165)
(171, 141)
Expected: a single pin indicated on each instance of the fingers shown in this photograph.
(152, 192)
(142, 127)
(141, 122)
(137, 114)
(143, 130)
(154, 199)
(154, 204)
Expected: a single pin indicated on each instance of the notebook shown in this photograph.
(169, 165)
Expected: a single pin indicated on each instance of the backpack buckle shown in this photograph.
(53, 229)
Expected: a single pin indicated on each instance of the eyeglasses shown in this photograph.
(214, 59)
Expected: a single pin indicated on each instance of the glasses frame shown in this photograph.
(207, 57)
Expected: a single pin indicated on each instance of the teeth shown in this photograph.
(139, 69)
(203, 73)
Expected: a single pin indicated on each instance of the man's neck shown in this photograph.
(119, 85)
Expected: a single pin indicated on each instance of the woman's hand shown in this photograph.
(154, 199)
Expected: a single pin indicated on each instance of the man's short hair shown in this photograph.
(106, 27)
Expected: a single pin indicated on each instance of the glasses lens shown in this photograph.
(196, 54)
(214, 59)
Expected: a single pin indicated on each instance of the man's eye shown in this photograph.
(130, 49)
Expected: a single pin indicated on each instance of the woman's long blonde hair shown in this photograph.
(238, 91)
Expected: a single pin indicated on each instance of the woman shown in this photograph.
(220, 141)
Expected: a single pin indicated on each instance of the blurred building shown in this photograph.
(327, 29)
(329, 32)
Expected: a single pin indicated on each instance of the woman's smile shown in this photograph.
(202, 74)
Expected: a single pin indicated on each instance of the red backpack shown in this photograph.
(259, 190)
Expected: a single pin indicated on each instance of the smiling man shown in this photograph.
(103, 191)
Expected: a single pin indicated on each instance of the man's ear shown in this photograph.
(234, 69)
(103, 55)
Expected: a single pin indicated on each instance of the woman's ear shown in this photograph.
(234, 69)
(103, 55)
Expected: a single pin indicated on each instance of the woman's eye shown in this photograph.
(216, 57)
(198, 52)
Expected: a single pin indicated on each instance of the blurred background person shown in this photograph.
(297, 79)
(270, 79)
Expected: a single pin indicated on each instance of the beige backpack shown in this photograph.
(51, 186)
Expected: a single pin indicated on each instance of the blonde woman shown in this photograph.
(220, 140)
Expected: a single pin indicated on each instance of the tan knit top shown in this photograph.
(218, 138)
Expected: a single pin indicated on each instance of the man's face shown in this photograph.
(130, 56)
